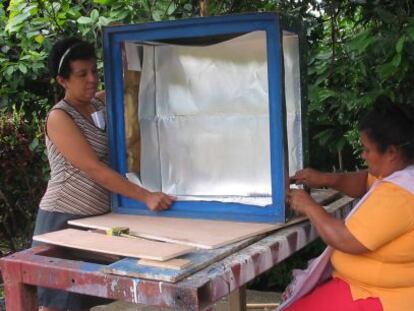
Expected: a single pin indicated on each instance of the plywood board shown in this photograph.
(206, 234)
(91, 241)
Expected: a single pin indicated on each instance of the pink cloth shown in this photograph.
(334, 295)
(320, 269)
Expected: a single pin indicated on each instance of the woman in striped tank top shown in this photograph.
(76, 141)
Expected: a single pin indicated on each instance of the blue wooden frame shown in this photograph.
(114, 36)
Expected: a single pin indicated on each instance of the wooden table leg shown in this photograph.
(18, 296)
(237, 299)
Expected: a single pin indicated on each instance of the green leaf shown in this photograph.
(15, 7)
(396, 60)
(171, 9)
(400, 44)
(386, 70)
(73, 14)
(23, 68)
(361, 42)
(17, 22)
(320, 94)
(34, 144)
(31, 9)
(103, 21)
(324, 55)
(119, 16)
(39, 38)
(94, 14)
(84, 20)
(9, 70)
(156, 15)
(103, 2)
(410, 32)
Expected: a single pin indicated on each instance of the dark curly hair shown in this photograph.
(66, 50)
(390, 124)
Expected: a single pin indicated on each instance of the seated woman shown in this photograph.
(369, 262)
(77, 147)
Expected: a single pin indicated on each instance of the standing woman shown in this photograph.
(77, 147)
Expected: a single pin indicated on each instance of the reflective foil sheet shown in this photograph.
(293, 101)
(204, 119)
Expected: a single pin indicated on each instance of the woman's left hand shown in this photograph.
(299, 200)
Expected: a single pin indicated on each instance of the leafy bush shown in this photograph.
(22, 172)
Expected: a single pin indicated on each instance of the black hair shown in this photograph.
(69, 49)
(388, 124)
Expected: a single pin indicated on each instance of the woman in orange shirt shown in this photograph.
(371, 254)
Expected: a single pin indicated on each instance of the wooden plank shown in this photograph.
(199, 260)
(176, 264)
(136, 248)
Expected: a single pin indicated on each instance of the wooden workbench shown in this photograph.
(43, 266)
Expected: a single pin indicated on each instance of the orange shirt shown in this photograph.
(385, 225)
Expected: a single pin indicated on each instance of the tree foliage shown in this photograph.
(366, 50)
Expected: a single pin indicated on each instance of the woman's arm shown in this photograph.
(69, 140)
(331, 230)
(352, 184)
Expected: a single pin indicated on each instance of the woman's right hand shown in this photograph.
(309, 177)
(158, 201)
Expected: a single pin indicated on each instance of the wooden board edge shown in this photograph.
(175, 263)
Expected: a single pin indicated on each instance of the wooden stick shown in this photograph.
(203, 8)
(262, 305)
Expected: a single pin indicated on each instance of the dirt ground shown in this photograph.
(252, 297)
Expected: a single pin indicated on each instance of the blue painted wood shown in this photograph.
(114, 36)
(199, 260)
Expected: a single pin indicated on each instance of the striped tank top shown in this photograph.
(70, 190)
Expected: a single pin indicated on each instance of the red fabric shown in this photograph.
(334, 295)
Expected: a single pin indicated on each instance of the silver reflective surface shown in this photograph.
(293, 101)
(205, 122)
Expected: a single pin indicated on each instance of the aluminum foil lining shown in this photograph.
(204, 119)
(293, 101)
